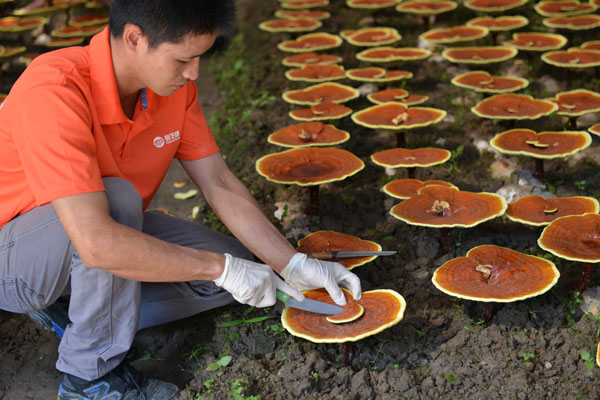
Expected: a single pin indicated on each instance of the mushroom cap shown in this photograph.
(311, 42)
(387, 95)
(298, 60)
(45, 10)
(454, 34)
(575, 238)
(388, 54)
(308, 134)
(315, 94)
(316, 73)
(572, 58)
(377, 74)
(480, 54)
(536, 41)
(65, 42)
(89, 20)
(595, 129)
(94, 4)
(307, 166)
(306, 14)
(576, 23)
(426, 7)
(501, 23)
(407, 188)
(537, 211)
(10, 52)
(335, 241)
(26, 58)
(546, 145)
(396, 116)
(513, 106)
(371, 4)
(563, 8)
(290, 25)
(482, 81)
(577, 102)
(400, 157)
(383, 308)
(372, 36)
(76, 31)
(304, 4)
(411, 99)
(591, 45)
(319, 112)
(493, 5)
(465, 209)
(352, 311)
(16, 24)
(513, 275)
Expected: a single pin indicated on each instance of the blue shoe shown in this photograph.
(54, 318)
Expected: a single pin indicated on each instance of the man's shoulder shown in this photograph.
(55, 66)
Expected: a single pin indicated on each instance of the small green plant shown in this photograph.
(220, 363)
(580, 185)
(314, 375)
(588, 361)
(275, 328)
(420, 333)
(209, 383)
(533, 314)
(348, 199)
(450, 378)
(451, 165)
(528, 356)
(396, 366)
(237, 389)
(244, 320)
(197, 350)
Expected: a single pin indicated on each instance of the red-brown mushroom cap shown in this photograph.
(537, 211)
(536, 41)
(316, 73)
(371, 4)
(407, 188)
(445, 207)
(352, 311)
(397, 116)
(304, 14)
(376, 74)
(577, 23)
(572, 58)
(479, 55)
(76, 31)
(311, 42)
(335, 241)
(44, 10)
(492, 273)
(513, 106)
(298, 60)
(412, 99)
(454, 34)
(388, 54)
(493, 5)
(482, 81)
(304, 4)
(383, 308)
(16, 24)
(307, 166)
(26, 58)
(308, 134)
(595, 129)
(373, 36)
(89, 20)
(575, 238)
(319, 112)
(545, 145)
(501, 23)
(400, 157)
(321, 92)
(64, 42)
(10, 52)
(591, 45)
(577, 102)
(387, 95)
(563, 8)
(426, 7)
(290, 25)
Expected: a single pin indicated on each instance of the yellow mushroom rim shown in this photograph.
(479, 55)
(371, 4)
(574, 237)
(299, 60)
(89, 20)
(309, 166)
(320, 112)
(446, 207)
(46, 10)
(76, 31)
(65, 42)
(400, 157)
(412, 99)
(482, 81)
(344, 317)
(10, 52)
(26, 58)
(536, 41)
(576, 23)
(544, 145)
(335, 241)
(396, 95)
(595, 129)
(309, 14)
(426, 7)
(537, 211)
(572, 58)
(493, 5)
(311, 42)
(383, 309)
(407, 188)
(502, 23)
(454, 34)
(315, 94)
(577, 102)
(389, 54)
(374, 36)
(513, 106)
(16, 24)
(397, 116)
(290, 25)
(591, 45)
(563, 8)
(304, 4)
(316, 73)
(491, 273)
(376, 74)
(308, 134)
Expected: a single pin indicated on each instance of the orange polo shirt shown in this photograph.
(62, 129)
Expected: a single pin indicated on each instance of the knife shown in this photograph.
(308, 304)
(330, 255)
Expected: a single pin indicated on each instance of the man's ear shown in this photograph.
(133, 36)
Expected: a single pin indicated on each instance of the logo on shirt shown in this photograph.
(160, 141)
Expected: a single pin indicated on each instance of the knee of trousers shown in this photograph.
(124, 201)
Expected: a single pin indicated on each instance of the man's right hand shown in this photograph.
(253, 283)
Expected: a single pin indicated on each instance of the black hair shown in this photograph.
(171, 20)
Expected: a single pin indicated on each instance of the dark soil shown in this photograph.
(441, 349)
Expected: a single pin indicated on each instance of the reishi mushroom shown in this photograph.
(323, 111)
(308, 134)
(321, 92)
(513, 106)
(390, 54)
(483, 81)
(316, 73)
(538, 211)
(311, 42)
(411, 158)
(407, 188)
(480, 54)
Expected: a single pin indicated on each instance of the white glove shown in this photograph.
(305, 273)
(252, 283)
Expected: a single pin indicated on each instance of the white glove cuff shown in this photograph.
(221, 279)
(297, 259)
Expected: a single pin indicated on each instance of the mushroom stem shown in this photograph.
(313, 205)
(487, 311)
(411, 172)
(400, 139)
(539, 168)
(569, 79)
(425, 22)
(446, 240)
(347, 352)
(582, 283)
(494, 36)
(572, 123)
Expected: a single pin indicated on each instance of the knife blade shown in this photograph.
(329, 255)
(309, 305)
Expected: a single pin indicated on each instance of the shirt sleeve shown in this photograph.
(197, 140)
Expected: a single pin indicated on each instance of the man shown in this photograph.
(88, 134)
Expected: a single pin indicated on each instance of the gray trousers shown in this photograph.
(38, 264)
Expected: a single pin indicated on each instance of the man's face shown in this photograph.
(169, 66)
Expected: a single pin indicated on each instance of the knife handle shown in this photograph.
(323, 255)
(283, 297)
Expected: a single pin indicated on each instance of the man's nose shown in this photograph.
(192, 71)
